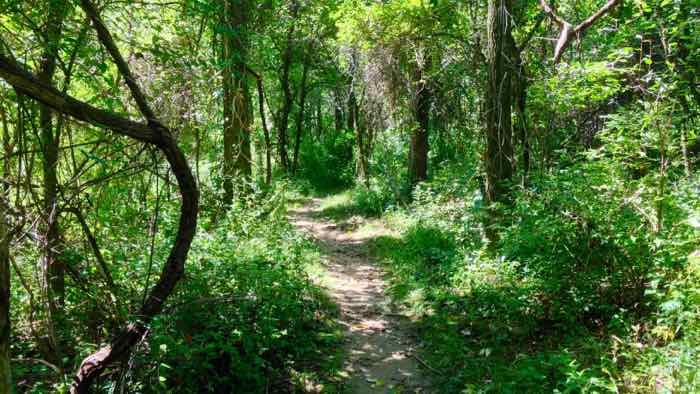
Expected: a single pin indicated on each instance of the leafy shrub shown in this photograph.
(589, 251)
(242, 317)
(581, 294)
(328, 164)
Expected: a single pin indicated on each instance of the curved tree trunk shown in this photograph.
(152, 132)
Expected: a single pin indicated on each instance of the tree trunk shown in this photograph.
(53, 270)
(6, 383)
(418, 154)
(151, 132)
(300, 115)
(338, 112)
(520, 85)
(266, 131)
(356, 125)
(499, 148)
(319, 117)
(237, 103)
(283, 119)
(6, 145)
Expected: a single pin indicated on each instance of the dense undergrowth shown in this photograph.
(246, 318)
(580, 293)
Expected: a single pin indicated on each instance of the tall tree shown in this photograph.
(52, 266)
(418, 154)
(6, 383)
(238, 110)
(498, 156)
(263, 120)
(299, 124)
(355, 124)
(287, 98)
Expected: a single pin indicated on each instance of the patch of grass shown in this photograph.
(368, 202)
(338, 206)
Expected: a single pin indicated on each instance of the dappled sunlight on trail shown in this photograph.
(379, 344)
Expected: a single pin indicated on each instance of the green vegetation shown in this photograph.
(588, 301)
(247, 314)
(527, 171)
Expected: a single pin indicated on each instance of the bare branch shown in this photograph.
(604, 10)
(568, 31)
(550, 12)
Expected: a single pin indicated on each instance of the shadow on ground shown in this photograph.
(480, 331)
(380, 344)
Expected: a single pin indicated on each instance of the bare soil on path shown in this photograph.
(379, 342)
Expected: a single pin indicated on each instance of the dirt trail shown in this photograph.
(379, 345)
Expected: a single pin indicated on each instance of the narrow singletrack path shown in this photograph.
(379, 344)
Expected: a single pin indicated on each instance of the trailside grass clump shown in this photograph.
(580, 293)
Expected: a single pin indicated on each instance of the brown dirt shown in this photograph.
(379, 343)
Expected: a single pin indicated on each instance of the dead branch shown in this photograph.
(568, 31)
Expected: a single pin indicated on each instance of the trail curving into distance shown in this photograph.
(379, 344)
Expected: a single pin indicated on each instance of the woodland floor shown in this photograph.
(379, 342)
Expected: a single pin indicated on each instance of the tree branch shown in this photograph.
(106, 39)
(153, 133)
(29, 85)
(102, 263)
(568, 31)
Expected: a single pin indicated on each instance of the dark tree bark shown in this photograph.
(499, 148)
(287, 99)
(153, 132)
(283, 118)
(6, 383)
(53, 268)
(266, 131)
(418, 154)
(237, 103)
(498, 157)
(520, 85)
(300, 115)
